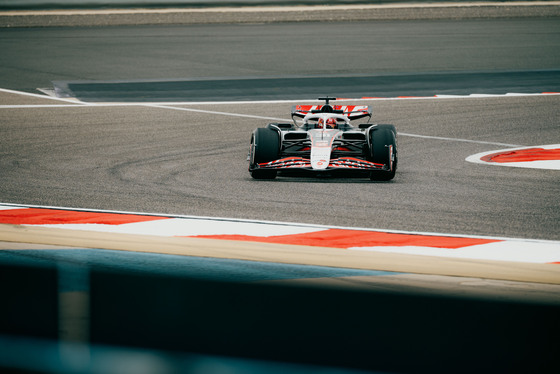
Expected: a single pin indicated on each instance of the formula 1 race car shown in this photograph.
(324, 143)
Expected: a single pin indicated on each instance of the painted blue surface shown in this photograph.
(74, 260)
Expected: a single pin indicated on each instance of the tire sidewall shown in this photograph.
(265, 147)
(381, 137)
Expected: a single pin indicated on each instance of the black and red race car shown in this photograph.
(324, 142)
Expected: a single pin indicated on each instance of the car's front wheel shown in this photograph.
(383, 150)
(265, 147)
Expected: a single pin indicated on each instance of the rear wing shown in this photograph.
(352, 112)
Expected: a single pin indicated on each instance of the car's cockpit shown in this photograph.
(326, 121)
(328, 116)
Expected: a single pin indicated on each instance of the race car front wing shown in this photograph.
(338, 163)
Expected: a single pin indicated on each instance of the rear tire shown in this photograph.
(265, 147)
(383, 139)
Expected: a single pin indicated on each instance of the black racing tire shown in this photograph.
(265, 147)
(382, 138)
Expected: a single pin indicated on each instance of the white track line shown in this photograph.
(289, 120)
(215, 112)
(73, 101)
(175, 106)
(457, 140)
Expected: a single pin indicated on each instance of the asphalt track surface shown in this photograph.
(190, 159)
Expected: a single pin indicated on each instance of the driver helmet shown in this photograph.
(331, 122)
